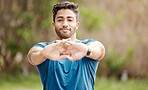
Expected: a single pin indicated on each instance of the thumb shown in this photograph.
(70, 58)
(62, 56)
(57, 41)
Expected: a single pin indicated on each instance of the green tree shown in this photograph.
(21, 21)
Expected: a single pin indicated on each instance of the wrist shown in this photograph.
(88, 52)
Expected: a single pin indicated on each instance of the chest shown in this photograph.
(64, 67)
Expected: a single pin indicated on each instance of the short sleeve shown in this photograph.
(91, 65)
(88, 40)
(42, 44)
(43, 67)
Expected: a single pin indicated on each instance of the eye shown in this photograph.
(59, 20)
(70, 20)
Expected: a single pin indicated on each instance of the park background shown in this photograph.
(121, 25)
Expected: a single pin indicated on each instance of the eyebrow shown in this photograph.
(70, 17)
(60, 17)
(67, 17)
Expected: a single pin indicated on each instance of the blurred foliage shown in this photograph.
(33, 82)
(103, 83)
(20, 82)
(27, 38)
(24, 23)
(21, 22)
(116, 20)
(27, 18)
(116, 62)
(12, 46)
(93, 20)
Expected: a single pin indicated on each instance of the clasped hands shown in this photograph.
(65, 49)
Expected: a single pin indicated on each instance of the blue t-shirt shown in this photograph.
(68, 75)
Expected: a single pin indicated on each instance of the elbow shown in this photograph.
(102, 53)
(34, 56)
(30, 59)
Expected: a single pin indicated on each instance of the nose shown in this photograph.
(65, 24)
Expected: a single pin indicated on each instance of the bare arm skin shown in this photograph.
(97, 50)
(35, 56)
(63, 49)
(54, 52)
(79, 50)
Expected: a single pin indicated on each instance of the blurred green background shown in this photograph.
(121, 25)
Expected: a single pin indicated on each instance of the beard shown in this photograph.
(65, 35)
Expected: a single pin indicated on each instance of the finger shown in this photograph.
(70, 58)
(69, 39)
(69, 42)
(60, 43)
(65, 52)
(63, 44)
(57, 41)
(62, 56)
(64, 39)
(69, 45)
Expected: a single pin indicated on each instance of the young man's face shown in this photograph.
(65, 23)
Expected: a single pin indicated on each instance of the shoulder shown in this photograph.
(42, 44)
(85, 41)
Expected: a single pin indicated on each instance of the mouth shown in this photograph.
(65, 29)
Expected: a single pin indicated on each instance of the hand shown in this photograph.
(55, 51)
(65, 49)
(76, 50)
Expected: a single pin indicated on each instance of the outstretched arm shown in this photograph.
(79, 50)
(54, 52)
(97, 50)
(66, 49)
(35, 56)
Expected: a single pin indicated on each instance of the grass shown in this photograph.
(19, 82)
(114, 84)
(32, 82)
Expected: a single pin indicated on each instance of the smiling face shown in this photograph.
(65, 24)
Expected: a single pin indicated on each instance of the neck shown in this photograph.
(73, 38)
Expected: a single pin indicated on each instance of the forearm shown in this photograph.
(97, 50)
(35, 56)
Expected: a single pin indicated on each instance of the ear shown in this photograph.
(53, 24)
(77, 25)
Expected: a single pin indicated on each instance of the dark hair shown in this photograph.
(66, 5)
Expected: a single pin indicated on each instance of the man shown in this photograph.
(67, 63)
